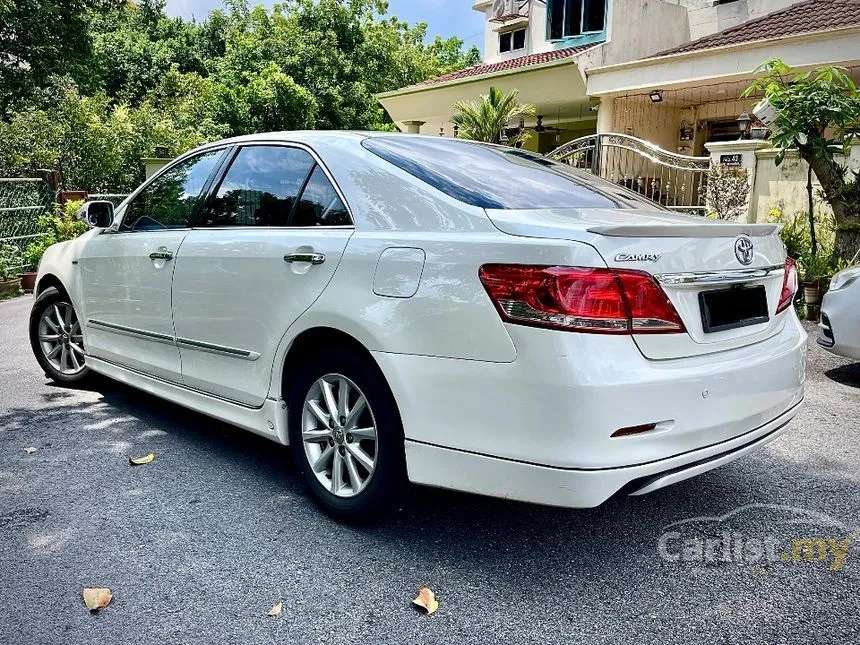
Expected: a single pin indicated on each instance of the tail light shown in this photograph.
(602, 301)
(789, 286)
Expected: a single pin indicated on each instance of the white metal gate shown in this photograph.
(673, 180)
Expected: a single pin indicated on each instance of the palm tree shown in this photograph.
(484, 120)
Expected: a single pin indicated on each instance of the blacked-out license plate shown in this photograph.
(732, 308)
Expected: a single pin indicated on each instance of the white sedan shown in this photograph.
(839, 329)
(414, 308)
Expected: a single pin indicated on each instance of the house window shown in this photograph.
(569, 18)
(512, 41)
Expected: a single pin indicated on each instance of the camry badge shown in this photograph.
(744, 250)
(638, 257)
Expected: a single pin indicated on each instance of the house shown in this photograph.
(667, 72)
(590, 65)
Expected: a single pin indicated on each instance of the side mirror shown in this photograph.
(97, 214)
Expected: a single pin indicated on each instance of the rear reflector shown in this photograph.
(625, 432)
(789, 286)
(593, 300)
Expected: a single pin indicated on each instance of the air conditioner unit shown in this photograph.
(766, 113)
(504, 8)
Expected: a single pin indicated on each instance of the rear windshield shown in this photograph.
(499, 177)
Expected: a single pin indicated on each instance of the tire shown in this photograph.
(384, 488)
(52, 300)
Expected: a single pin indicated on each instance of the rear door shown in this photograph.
(266, 245)
(126, 273)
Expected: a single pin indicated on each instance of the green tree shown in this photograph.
(818, 113)
(484, 120)
(95, 144)
(132, 48)
(141, 79)
(37, 37)
(273, 101)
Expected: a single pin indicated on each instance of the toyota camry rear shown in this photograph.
(646, 346)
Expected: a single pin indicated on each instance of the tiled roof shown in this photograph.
(511, 64)
(805, 17)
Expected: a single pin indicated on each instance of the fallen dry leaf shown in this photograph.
(276, 610)
(96, 599)
(30, 450)
(427, 600)
(139, 461)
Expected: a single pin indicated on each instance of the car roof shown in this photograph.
(310, 137)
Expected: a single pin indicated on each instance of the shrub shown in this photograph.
(728, 192)
(10, 261)
(59, 226)
(795, 234)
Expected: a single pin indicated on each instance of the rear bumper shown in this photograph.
(573, 488)
(549, 415)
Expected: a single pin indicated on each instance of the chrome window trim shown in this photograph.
(729, 276)
(212, 348)
(341, 227)
(130, 331)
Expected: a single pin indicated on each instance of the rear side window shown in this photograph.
(320, 204)
(494, 176)
(260, 187)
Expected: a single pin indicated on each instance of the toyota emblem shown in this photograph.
(744, 250)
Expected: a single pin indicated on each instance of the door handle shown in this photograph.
(313, 258)
(161, 255)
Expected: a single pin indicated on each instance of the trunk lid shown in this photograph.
(688, 255)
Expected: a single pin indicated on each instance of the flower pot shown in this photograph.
(811, 293)
(28, 281)
(9, 286)
(758, 133)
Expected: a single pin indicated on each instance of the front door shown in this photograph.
(127, 272)
(266, 246)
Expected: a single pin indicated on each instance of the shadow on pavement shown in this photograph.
(449, 529)
(845, 375)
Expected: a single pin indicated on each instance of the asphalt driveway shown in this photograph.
(199, 544)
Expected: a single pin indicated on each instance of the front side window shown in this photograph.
(260, 187)
(499, 177)
(570, 18)
(169, 201)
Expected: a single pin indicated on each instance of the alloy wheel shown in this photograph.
(339, 435)
(60, 338)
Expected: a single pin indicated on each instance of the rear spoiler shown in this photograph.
(704, 230)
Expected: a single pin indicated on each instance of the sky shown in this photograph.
(443, 17)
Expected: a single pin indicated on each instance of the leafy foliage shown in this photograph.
(140, 79)
(818, 113)
(60, 226)
(795, 233)
(37, 36)
(484, 120)
(10, 261)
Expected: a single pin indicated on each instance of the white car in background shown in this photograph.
(839, 329)
(454, 314)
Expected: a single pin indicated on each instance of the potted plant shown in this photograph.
(814, 267)
(758, 130)
(32, 256)
(10, 262)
